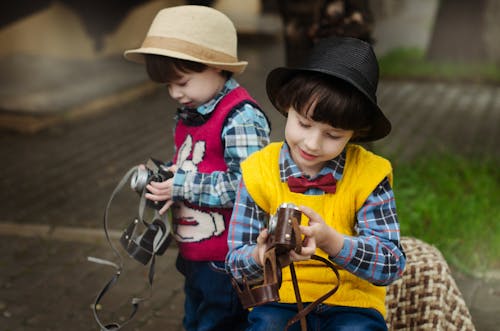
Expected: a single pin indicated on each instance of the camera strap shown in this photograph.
(302, 312)
(275, 258)
(161, 230)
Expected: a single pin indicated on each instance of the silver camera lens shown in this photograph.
(273, 219)
(139, 180)
(271, 226)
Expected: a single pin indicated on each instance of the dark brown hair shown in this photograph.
(327, 100)
(164, 69)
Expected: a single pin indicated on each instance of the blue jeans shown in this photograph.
(274, 316)
(211, 302)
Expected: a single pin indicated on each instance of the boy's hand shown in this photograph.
(325, 236)
(261, 247)
(308, 248)
(162, 191)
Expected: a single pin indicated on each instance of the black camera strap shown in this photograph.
(161, 231)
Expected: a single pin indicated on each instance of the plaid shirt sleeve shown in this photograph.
(375, 254)
(246, 131)
(247, 221)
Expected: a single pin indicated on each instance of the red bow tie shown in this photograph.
(326, 183)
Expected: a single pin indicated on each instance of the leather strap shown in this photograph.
(300, 305)
(303, 312)
(119, 266)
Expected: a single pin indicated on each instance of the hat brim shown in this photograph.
(137, 55)
(276, 78)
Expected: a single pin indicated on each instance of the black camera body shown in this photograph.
(155, 171)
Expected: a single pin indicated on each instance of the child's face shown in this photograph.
(193, 89)
(312, 143)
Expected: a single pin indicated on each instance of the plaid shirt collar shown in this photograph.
(209, 107)
(288, 168)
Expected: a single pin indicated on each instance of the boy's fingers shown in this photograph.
(157, 197)
(303, 256)
(261, 239)
(167, 205)
(152, 189)
(308, 251)
(305, 230)
(311, 214)
(160, 185)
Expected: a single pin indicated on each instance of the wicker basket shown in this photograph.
(426, 297)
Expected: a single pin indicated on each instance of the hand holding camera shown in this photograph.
(160, 192)
(324, 236)
(154, 182)
(274, 246)
(283, 242)
(285, 234)
(143, 244)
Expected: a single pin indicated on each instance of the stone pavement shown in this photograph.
(55, 185)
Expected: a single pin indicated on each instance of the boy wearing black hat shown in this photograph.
(343, 190)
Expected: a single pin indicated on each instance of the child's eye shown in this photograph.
(332, 136)
(304, 124)
(178, 83)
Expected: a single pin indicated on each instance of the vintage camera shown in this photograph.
(142, 240)
(155, 171)
(283, 229)
(284, 235)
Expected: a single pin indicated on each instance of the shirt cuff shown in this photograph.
(346, 253)
(256, 270)
(178, 188)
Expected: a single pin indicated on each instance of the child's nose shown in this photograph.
(312, 141)
(175, 92)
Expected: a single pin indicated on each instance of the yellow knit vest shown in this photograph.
(362, 172)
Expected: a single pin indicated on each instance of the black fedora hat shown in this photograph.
(349, 59)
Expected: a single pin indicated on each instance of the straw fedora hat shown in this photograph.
(349, 59)
(195, 33)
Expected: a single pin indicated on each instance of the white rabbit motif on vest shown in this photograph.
(192, 225)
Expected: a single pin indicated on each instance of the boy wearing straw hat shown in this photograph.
(343, 191)
(193, 50)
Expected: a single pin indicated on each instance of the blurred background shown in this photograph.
(75, 116)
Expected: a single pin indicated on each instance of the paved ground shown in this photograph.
(55, 184)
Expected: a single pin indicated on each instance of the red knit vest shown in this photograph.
(201, 232)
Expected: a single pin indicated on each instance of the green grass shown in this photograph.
(410, 63)
(454, 204)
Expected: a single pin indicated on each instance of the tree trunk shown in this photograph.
(458, 32)
(492, 31)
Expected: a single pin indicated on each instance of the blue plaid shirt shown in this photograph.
(245, 132)
(374, 254)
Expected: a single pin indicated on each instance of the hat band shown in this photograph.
(185, 47)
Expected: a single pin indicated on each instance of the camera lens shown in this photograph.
(139, 180)
(273, 221)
